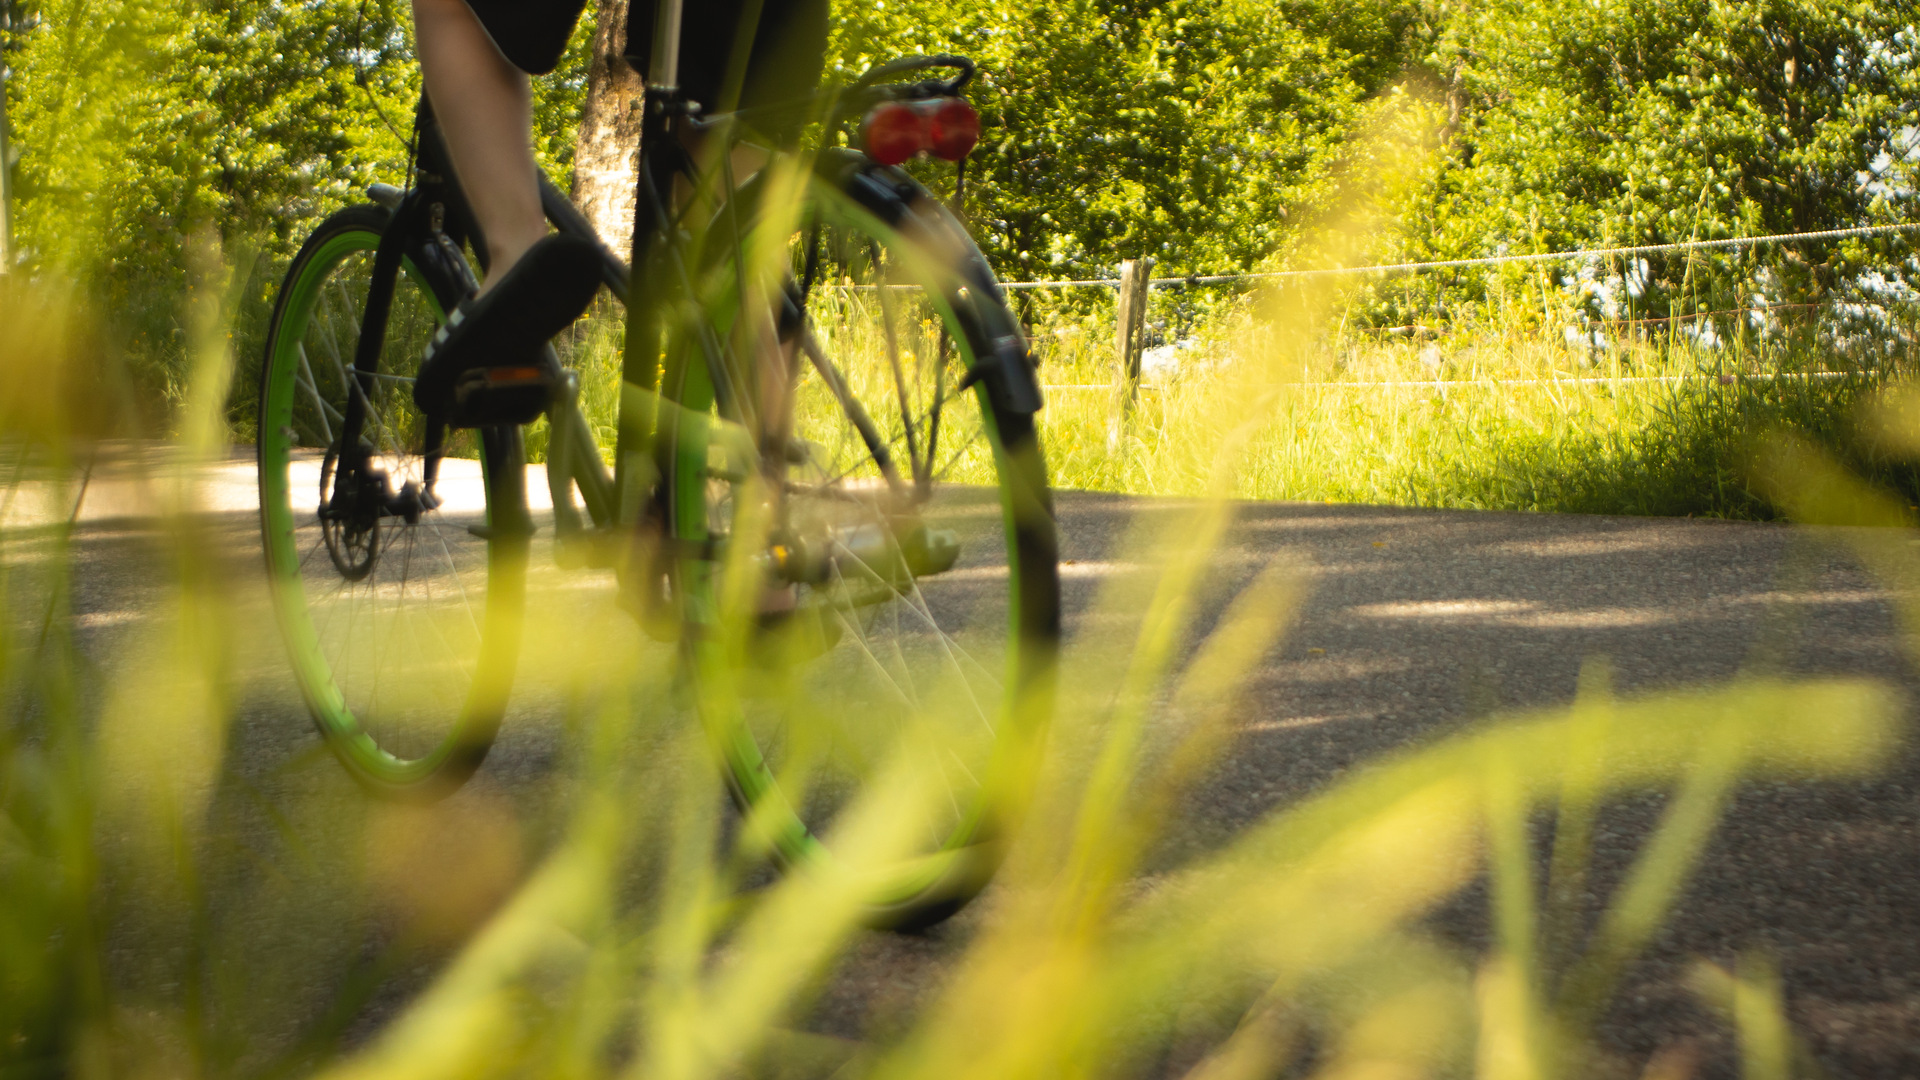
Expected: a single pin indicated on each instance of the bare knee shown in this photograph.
(433, 11)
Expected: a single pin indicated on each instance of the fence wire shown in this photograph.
(1490, 260)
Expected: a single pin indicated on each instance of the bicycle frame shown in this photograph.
(432, 220)
(756, 510)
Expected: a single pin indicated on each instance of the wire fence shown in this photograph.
(1570, 380)
(1583, 331)
(1490, 260)
(1426, 330)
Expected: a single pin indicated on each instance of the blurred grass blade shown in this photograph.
(1573, 823)
(1509, 1037)
(467, 1025)
(1659, 873)
(1295, 893)
(1760, 1021)
(1752, 997)
(1510, 862)
(1211, 689)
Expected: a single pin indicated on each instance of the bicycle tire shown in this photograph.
(403, 668)
(922, 256)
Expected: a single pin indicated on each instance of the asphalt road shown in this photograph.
(1417, 624)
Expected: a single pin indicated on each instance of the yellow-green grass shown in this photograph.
(1501, 421)
(191, 890)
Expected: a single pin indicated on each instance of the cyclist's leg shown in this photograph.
(785, 62)
(536, 283)
(485, 108)
(724, 64)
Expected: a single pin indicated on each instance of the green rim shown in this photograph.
(960, 855)
(345, 732)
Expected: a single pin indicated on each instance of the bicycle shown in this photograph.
(888, 484)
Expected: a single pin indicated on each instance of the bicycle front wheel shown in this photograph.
(400, 609)
(868, 567)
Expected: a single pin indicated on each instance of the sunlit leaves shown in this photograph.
(1630, 123)
(1189, 131)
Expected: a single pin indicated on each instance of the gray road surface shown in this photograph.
(1418, 624)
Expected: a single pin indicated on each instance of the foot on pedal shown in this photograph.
(484, 397)
(551, 285)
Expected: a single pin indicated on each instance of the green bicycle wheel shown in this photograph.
(402, 619)
(868, 563)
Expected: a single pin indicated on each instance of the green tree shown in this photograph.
(145, 127)
(1193, 131)
(1652, 121)
(1202, 133)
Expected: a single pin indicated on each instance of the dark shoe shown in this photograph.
(551, 285)
(490, 396)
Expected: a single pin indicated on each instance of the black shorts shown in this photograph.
(789, 49)
(788, 53)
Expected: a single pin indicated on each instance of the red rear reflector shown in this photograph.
(953, 129)
(893, 132)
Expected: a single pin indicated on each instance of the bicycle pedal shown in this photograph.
(519, 394)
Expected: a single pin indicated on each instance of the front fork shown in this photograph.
(362, 492)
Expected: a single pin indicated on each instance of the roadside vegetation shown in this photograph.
(1213, 136)
(1641, 423)
(191, 895)
(170, 906)
(1636, 421)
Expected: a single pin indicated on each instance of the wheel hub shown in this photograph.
(354, 499)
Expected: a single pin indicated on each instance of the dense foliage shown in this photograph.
(1608, 122)
(149, 131)
(146, 128)
(1190, 131)
(1203, 133)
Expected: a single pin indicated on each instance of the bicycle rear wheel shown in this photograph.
(890, 517)
(402, 620)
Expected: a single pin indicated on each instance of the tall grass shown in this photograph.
(149, 930)
(1494, 417)
(1500, 416)
(190, 890)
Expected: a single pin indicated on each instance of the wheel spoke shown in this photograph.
(872, 388)
(465, 602)
(333, 338)
(929, 417)
(893, 356)
(952, 649)
(321, 408)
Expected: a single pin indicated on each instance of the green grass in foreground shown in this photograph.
(151, 930)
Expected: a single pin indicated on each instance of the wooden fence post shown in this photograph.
(1129, 326)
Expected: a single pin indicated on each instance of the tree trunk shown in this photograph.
(606, 154)
(6, 145)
